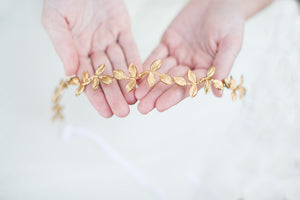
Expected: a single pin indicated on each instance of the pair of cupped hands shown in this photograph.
(87, 33)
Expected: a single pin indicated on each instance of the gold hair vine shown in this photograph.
(151, 80)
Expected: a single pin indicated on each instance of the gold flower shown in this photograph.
(132, 79)
(84, 81)
(242, 90)
(193, 81)
(153, 68)
(96, 77)
(209, 74)
(151, 80)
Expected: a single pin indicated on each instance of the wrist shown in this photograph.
(235, 8)
(251, 7)
(247, 8)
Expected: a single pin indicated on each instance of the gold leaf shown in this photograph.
(155, 65)
(234, 96)
(84, 76)
(57, 116)
(242, 80)
(211, 72)
(166, 79)
(132, 70)
(151, 79)
(74, 81)
(242, 91)
(55, 98)
(95, 83)
(207, 86)
(61, 84)
(241, 95)
(56, 108)
(232, 83)
(100, 70)
(179, 81)
(130, 85)
(227, 83)
(56, 91)
(107, 80)
(79, 90)
(192, 76)
(120, 75)
(193, 90)
(218, 84)
(65, 85)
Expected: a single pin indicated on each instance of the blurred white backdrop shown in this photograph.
(203, 148)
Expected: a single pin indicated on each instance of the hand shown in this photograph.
(87, 33)
(205, 33)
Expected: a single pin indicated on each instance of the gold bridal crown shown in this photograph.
(151, 74)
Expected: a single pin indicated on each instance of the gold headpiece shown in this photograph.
(151, 79)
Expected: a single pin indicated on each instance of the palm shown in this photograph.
(87, 33)
(202, 35)
(187, 50)
(193, 37)
(94, 28)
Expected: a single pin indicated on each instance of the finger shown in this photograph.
(160, 52)
(62, 39)
(117, 59)
(143, 88)
(130, 50)
(112, 92)
(96, 97)
(176, 93)
(147, 103)
(228, 50)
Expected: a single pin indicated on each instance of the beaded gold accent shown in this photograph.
(152, 75)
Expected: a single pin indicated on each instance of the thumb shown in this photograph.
(61, 37)
(228, 50)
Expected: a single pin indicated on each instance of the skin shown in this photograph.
(87, 33)
(204, 33)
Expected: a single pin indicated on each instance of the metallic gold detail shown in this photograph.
(151, 80)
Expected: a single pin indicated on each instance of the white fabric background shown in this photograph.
(204, 148)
